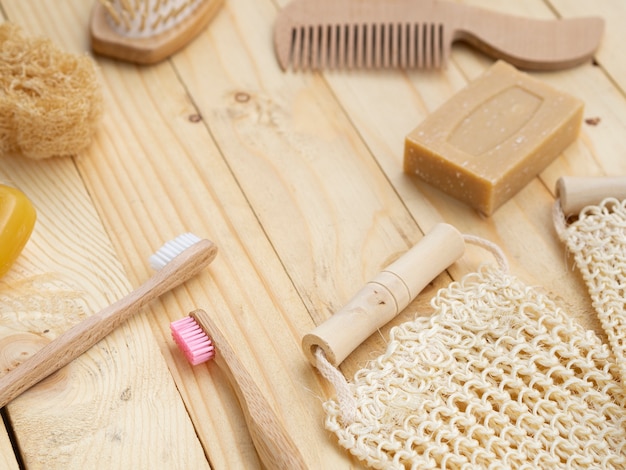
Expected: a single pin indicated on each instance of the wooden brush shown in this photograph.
(275, 447)
(176, 261)
(318, 34)
(148, 31)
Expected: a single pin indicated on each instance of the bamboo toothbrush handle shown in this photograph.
(85, 334)
(576, 192)
(528, 43)
(275, 447)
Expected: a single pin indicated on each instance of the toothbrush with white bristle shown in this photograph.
(148, 31)
(176, 262)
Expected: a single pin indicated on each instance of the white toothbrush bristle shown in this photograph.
(171, 249)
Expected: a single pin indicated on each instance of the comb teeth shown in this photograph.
(192, 340)
(367, 45)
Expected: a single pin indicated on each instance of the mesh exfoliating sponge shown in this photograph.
(498, 377)
(597, 241)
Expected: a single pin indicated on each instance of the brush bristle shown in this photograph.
(145, 18)
(192, 340)
(171, 249)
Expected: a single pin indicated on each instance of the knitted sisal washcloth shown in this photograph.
(497, 377)
(597, 240)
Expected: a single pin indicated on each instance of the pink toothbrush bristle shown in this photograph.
(192, 340)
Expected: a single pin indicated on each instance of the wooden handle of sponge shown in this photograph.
(382, 298)
(576, 192)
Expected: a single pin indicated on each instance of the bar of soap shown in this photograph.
(493, 137)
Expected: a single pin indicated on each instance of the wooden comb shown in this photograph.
(318, 34)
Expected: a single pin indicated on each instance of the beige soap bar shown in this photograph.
(493, 137)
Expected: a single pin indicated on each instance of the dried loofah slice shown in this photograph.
(50, 100)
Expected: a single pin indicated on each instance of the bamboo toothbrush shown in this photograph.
(275, 447)
(148, 31)
(176, 261)
(318, 34)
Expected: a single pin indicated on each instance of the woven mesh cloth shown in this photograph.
(597, 241)
(498, 377)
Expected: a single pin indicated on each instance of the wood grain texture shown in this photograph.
(7, 457)
(118, 399)
(67, 272)
(298, 180)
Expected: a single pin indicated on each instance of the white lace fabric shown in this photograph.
(497, 377)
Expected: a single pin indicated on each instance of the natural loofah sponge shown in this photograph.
(50, 100)
(499, 377)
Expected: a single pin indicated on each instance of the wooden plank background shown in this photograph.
(297, 178)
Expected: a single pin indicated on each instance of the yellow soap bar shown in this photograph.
(17, 219)
(493, 137)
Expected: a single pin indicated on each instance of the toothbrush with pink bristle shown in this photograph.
(275, 447)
